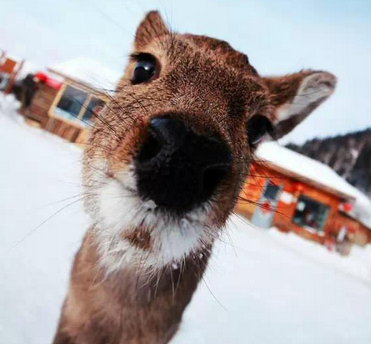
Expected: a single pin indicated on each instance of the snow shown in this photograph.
(261, 286)
(89, 72)
(274, 153)
(362, 208)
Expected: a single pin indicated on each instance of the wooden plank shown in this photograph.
(43, 103)
(49, 92)
(61, 129)
(69, 131)
(53, 126)
(66, 132)
(47, 97)
(37, 114)
(49, 124)
(39, 111)
(44, 94)
(82, 137)
(76, 134)
(44, 122)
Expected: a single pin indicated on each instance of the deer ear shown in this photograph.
(295, 96)
(151, 27)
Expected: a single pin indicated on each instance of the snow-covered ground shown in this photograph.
(262, 286)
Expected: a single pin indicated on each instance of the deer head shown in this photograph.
(171, 150)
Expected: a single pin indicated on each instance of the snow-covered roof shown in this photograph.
(88, 72)
(362, 209)
(316, 172)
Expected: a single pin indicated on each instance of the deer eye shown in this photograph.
(257, 127)
(144, 69)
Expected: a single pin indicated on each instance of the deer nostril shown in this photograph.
(151, 147)
(163, 133)
(212, 177)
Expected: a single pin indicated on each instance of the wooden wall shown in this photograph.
(40, 105)
(63, 129)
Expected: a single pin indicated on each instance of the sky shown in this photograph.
(280, 37)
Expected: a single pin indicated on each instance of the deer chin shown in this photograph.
(132, 231)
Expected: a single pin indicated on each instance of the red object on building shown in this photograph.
(298, 187)
(266, 207)
(53, 83)
(347, 207)
(48, 81)
(41, 76)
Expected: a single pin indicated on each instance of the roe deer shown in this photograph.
(163, 168)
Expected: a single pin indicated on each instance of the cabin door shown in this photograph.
(265, 209)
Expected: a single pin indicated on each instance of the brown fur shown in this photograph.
(127, 307)
(139, 237)
(215, 90)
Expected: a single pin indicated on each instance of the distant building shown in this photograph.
(9, 69)
(70, 96)
(294, 193)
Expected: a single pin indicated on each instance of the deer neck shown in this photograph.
(133, 303)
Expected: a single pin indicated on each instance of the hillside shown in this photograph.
(349, 155)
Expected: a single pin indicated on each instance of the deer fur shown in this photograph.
(138, 267)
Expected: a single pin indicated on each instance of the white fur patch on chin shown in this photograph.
(120, 210)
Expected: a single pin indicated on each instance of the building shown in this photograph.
(69, 96)
(9, 69)
(294, 193)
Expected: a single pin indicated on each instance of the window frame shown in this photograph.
(86, 107)
(319, 231)
(78, 120)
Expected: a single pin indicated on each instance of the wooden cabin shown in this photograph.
(294, 193)
(9, 69)
(69, 97)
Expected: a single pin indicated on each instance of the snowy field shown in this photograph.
(262, 286)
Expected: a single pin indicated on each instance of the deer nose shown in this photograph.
(177, 168)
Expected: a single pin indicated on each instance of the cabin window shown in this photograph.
(78, 106)
(310, 214)
(71, 103)
(94, 106)
(271, 191)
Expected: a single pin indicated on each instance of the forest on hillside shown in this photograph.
(349, 155)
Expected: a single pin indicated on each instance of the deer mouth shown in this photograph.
(131, 227)
(164, 201)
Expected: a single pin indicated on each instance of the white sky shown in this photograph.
(280, 36)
